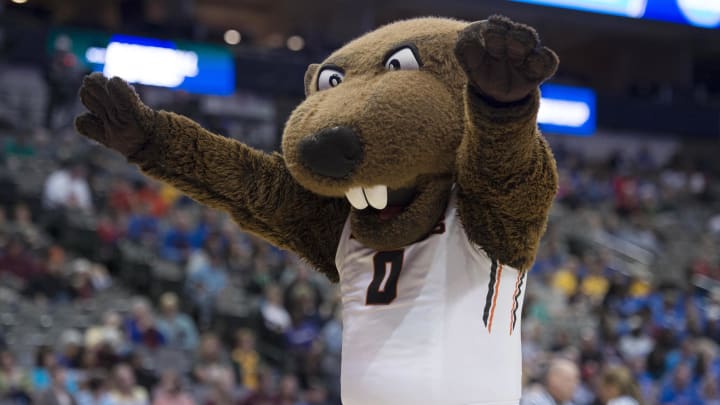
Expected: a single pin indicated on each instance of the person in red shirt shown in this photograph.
(17, 263)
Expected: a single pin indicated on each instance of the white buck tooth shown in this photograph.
(357, 198)
(377, 196)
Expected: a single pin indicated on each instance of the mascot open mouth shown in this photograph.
(385, 203)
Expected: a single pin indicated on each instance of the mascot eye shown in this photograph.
(329, 78)
(402, 59)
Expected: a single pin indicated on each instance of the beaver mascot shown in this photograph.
(413, 173)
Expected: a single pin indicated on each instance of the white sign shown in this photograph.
(150, 65)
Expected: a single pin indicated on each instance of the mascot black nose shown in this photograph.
(331, 152)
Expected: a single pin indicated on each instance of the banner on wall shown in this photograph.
(567, 110)
(183, 65)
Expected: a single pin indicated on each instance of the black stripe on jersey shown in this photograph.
(490, 293)
(515, 301)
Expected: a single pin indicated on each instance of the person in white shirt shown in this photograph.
(67, 187)
(561, 381)
(126, 392)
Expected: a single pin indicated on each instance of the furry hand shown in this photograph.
(117, 117)
(504, 60)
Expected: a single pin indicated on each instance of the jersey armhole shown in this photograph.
(481, 255)
(476, 250)
(341, 252)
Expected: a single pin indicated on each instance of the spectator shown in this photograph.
(94, 392)
(274, 315)
(561, 381)
(274, 321)
(636, 344)
(52, 284)
(313, 366)
(108, 229)
(108, 333)
(203, 235)
(171, 392)
(121, 197)
(142, 370)
(305, 325)
(197, 261)
(176, 241)
(142, 226)
(15, 384)
(125, 391)
(147, 194)
(140, 326)
(595, 284)
(177, 328)
(618, 387)
(303, 287)
(222, 389)
(266, 394)
(204, 286)
(679, 388)
(710, 392)
(289, 391)
(22, 224)
(211, 360)
(68, 188)
(565, 279)
(57, 393)
(332, 342)
(44, 362)
(17, 265)
(71, 349)
(246, 359)
(87, 278)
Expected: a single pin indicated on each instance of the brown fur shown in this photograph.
(424, 129)
(506, 188)
(410, 123)
(254, 187)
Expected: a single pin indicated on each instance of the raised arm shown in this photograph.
(507, 177)
(254, 187)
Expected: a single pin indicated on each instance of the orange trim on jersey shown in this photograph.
(515, 302)
(495, 296)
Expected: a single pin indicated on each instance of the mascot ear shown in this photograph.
(309, 76)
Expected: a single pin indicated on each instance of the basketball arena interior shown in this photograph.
(118, 289)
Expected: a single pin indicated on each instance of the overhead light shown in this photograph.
(295, 43)
(19, 1)
(232, 37)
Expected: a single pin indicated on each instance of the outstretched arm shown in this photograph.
(254, 187)
(507, 177)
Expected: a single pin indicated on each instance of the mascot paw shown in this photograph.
(503, 59)
(116, 114)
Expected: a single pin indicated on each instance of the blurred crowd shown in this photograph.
(62, 244)
(612, 315)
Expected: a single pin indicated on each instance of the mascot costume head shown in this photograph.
(413, 172)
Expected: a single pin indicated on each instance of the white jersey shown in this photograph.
(437, 322)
